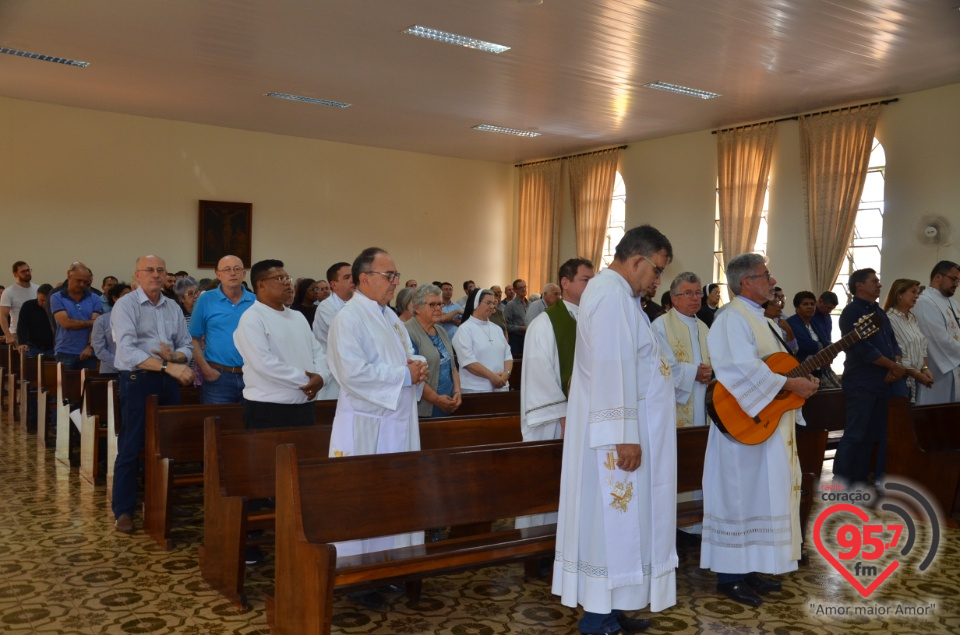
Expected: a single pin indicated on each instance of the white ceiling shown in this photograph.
(574, 73)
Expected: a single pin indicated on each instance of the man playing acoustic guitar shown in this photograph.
(751, 493)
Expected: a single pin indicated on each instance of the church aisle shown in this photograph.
(63, 569)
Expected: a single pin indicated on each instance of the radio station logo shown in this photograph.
(861, 544)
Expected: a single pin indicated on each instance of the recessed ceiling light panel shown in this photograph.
(309, 100)
(519, 133)
(682, 90)
(453, 38)
(44, 58)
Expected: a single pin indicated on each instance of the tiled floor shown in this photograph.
(64, 570)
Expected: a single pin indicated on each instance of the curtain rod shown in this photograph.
(571, 156)
(882, 102)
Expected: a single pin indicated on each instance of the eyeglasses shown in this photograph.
(281, 279)
(657, 268)
(151, 270)
(765, 274)
(232, 270)
(492, 303)
(389, 275)
(689, 294)
(191, 294)
(954, 279)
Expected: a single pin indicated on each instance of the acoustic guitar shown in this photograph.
(734, 422)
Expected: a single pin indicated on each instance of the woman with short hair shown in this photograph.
(441, 391)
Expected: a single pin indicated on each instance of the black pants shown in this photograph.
(262, 414)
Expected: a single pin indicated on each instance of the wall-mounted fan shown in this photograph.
(933, 231)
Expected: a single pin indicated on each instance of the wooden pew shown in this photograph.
(93, 426)
(691, 448)
(29, 380)
(46, 399)
(113, 427)
(13, 367)
(515, 375)
(4, 369)
(69, 391)
(240, 465)
(322, 501)
(488, 403)
(923, 445)
(174, 435)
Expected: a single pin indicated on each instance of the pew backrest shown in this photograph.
(357, 496)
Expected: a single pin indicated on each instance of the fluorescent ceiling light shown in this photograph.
(520, 133)
(682, 90)
(453, 38)
(309, 100)
(44, 58)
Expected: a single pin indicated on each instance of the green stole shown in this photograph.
(565, 331)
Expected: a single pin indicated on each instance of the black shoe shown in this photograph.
(631, 625)
(369, 599)
(740, 592)
(761, 584)
(253, 555)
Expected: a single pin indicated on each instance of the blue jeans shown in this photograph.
(134, 388)
(866, 424)
(73, 362)
(33, 351)
(228, 388)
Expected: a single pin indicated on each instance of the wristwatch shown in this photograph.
(163, 366)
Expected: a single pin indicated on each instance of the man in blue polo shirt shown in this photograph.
(75, 309)
(215, 317)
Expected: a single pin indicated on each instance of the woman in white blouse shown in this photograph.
(481, 348)
(901, 299)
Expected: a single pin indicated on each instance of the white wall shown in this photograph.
(105, 188)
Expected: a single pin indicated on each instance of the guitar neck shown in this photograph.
(826, 355)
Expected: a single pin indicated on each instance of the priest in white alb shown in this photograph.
(370, 354)
(548, 364)
(616, 532)
(751, 493)
(683, 337)
(938, 315)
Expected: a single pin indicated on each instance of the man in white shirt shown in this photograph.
(342, 286)
(751, 493)
(13, 298)
(370, 355)
(938, 315)
(616, 532)
(548, 365)
(283, 364)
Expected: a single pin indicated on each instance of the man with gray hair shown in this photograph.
(751, 491)
(683, 337)
(75, 308)
(616, 532)
(551, 293)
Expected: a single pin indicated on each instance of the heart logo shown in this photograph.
(859, 513)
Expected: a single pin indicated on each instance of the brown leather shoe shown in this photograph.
(125, 524)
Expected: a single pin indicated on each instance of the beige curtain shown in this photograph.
(743, 165)
(592, 177)
(835, 153)
(539, 239)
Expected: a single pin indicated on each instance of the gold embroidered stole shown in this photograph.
(678, 338)
(767, 344)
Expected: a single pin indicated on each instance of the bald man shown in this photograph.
(551, 293)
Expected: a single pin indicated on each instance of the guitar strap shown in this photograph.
(780, 339)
